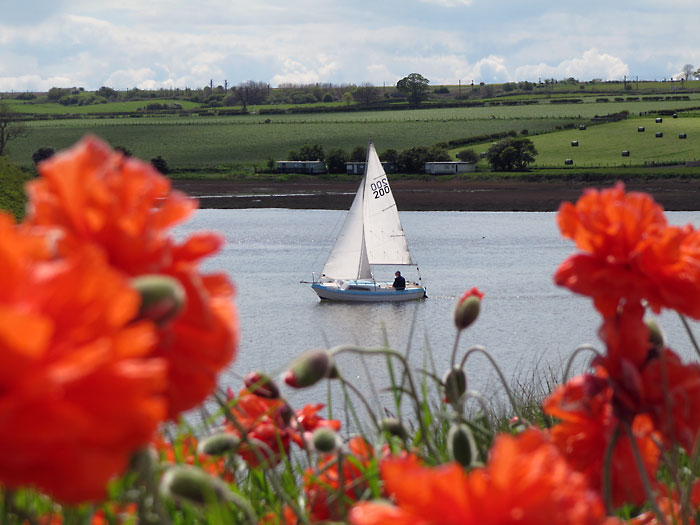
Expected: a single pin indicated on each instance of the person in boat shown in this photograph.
(399, 282)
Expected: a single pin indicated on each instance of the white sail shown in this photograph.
(348, 258)
(384, 236)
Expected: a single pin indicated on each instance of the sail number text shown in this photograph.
(380, 188)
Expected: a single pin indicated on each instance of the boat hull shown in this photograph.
(367, 293)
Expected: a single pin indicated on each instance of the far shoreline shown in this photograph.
(674, 194)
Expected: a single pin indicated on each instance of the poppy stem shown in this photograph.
(362, 398)
(412, 385)
(482, 350)
(570, 361)
(643, 475)
(607, 468)
(454, 349)
(690, 333)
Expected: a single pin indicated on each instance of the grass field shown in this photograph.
(240, 143)
(603, 145)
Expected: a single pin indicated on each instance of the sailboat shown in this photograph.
(371, 235)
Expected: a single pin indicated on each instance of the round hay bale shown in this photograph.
(568, 162)
(625, 153)
(640, 129)
(574, 143)
(682, 136)
(582, 126)
(659, 134)
(659, 120)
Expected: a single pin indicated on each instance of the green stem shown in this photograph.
(454, 349)
(413, 391)
(483, 351)
(607, 470)
(570, 361)
(362, 399)
(643, 475)
(690, 333)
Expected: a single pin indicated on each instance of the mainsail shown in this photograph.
(371, 233)
(384, 236)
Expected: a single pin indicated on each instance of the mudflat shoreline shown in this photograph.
(674, 194)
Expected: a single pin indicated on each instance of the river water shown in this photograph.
(527, 323)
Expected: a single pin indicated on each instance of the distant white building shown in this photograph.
(301, 166)
(358, 168)
(446, 168)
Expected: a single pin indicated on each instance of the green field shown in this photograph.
(239, 143)
(602, 145)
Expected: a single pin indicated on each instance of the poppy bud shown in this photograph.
(162, 297)
(309, 368)
(219, 444)
(325, 440)
(283, 415)
(656, 335)
(184, 482)
(394, 427)
(460, 444)
(261, 385)
(467, 308)
(455, 384)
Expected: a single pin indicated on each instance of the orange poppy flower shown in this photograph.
(629, 252)
(526, 481)
(587, 422)
(97, 196)
(78, 393)
(322, 489)
(672, 397)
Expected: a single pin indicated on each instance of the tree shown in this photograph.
(359, 154)
(687, 71)
(415, 87)
(252, 93)
(468, 155)
(366, 93)
(311, 152)
(336, 160)
(10, 126)
(412, 160)
(107, 92)
(511, 154)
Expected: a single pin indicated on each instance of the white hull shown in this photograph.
(367, 291)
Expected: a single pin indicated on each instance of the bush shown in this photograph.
(160, 164)
(42, 153)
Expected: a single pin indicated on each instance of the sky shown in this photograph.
(151, 44)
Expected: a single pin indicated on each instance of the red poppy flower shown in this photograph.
(587, 422)
(271, 423)
(526, 481)
(629, 252)
(322, 489)
(78, 392)
(97, 196)
(184, 451)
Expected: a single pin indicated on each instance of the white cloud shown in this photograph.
(123, 43)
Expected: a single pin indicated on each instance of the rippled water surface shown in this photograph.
(526, 322)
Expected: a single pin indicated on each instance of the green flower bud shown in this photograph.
(187, 483)
(309, 368)
(162, 297)
(656, 335)
(219, 444)
(325, 440)
(455, 384)
(394, 427)
(467, 308)
(460, 444)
